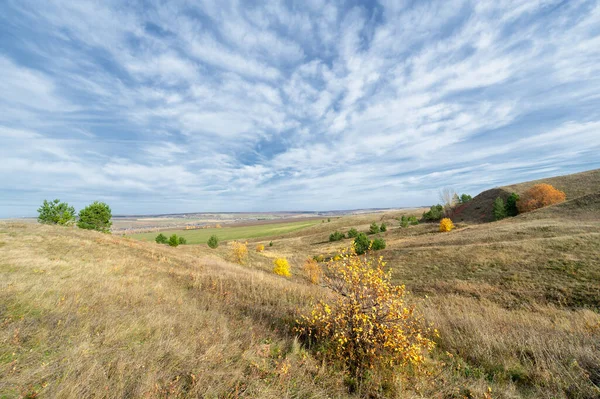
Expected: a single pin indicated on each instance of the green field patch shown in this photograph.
(200, 236)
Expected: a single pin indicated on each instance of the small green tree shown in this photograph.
(361, 243)
(499, 209)
(173, 240)
(352, 233)
(271, 243)
(511, 205)
(413, 221)
(213, 241)
(435, 213)
(377, 244)
(182, 240)
(96, 216)
(161, 239)
(465, 198)
(383, 227)
(56, 212)
(403, 221)
(328, 220)
(336, 236)
(374, 229)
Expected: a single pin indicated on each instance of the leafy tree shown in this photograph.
(239, 252)
(499, 209)
(539, 196)
(464, 198)
(352, 233)
(377, 244)
(213, 241)
(374, 229)
(361, 243)
(96, 216)
(511, 205)
(161, 239)
(383, 227)
(173, 240)
(282, 267)
(56, 212)
(436, 212)
(182, 240)
(446, 225)
(368, 324)
(336, 236)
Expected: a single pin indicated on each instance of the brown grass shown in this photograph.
(83, 314)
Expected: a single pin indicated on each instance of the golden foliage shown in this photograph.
(539, 196)
(313, 270)
(260, 248)
(282, 267)
(446, 225)
(367, 325)
(217, 226)
(239, 252)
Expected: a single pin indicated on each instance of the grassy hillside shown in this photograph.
(479, 210)
(516, 303)
(226, 233)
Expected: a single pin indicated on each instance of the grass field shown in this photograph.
(516, 304)
(200, 236)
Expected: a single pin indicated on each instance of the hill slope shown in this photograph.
(479, 209)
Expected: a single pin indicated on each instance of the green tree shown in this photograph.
(182, 241)
(361, 243)
(173, 240)
(383, 227)
(213, 241)
(352, 233)
(435, 213)
(374, 229)
(499, 209)
(465, 198)
(161, 239)
(56, 212)
(377, 244)
(336, 236)
(412, 220)
(511, 205)
(96, 216)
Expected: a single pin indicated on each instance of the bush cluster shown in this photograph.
(56, 212)
(374, 228)
(336, 236)
(539, 196)
(435, 213)
(362, 244)
(352, 233)
(405, 221)
(161, 239)
(282, 267)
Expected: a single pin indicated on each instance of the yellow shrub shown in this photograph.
(282, 267)
(239, 252)
(368, 325)
(313, 270)
(260, 248)
(337, 257)
(446, 225)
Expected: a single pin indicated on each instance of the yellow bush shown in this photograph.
(446, 225)
(368, 325)
(260, 248)
(282, 267)
(337, 257)
(313, 270)
(239, 252)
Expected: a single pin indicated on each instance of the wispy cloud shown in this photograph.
(227, 105)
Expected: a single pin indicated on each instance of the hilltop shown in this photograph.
(479, 209)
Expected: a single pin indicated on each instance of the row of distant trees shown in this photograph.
(96, 216)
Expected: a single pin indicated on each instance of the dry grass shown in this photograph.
(83, 314)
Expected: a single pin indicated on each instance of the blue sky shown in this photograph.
(218, 105)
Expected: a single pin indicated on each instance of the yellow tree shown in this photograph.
(367, 324)
(539, 196)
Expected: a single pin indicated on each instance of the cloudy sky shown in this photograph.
(215, 105)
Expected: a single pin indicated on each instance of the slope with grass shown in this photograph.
(479, 209)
